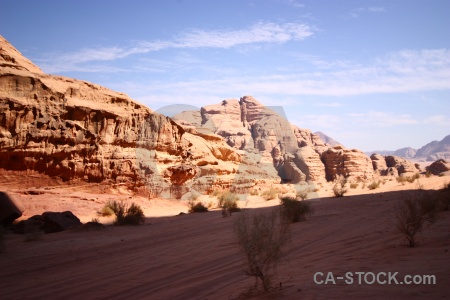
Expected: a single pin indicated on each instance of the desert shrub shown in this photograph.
(428, 174)
(270, 194)
(353, 185)
(197, 207)
(261, 238)
(216, 193)
(302, 194)
(293, 210)
(411, 179)
(339, 188)
(374, 185)
(227, 197)
(106, 211)
(132, 215)
(254, 192)
(413, 212)
(401, 179)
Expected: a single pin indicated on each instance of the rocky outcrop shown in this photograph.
(79, 131)
(402, 165)
(348, 163)
(48, 222)
(379, 163)
(248, 125)
(439, 166)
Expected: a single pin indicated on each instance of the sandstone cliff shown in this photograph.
(79, 131)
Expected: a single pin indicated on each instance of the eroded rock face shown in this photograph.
(402, 165)
(379, 163)
(248, 125)
(348, 163)
(76, 130)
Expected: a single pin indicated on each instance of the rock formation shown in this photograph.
(79, 131)
(439, 166)
(348, 163)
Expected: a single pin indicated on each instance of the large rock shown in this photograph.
(402, 165)
(48, 222)
(248, 125)
(348, 163)
(439, 166)
(79, 131)
(379, 163)
(9, 209)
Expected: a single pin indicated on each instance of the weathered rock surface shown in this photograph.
(348, 163)
(79, 131)
(439, 166)
(402, 165)
(248, 125)
(9, 209)
(379, 163)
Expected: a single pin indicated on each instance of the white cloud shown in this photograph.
(261, 32)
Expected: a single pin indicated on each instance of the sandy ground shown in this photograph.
(194, 256)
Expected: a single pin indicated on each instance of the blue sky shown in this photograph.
(370, 74)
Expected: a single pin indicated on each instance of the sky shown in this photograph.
(373, 75)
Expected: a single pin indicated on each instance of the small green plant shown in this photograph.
(374, 185)
(270, 194)
(353, 185)
(293, 210)
(339, 188)
(132, 215)
(197, 207)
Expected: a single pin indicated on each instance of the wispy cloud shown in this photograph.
(400, 72)
(261, 32)
(294, 3)
(355, 13)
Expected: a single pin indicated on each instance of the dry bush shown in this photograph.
(302, 194)
(228, 203)
(353, 185)
(339, 188)
(254, 192)
(106, 211)
(374, 185)
(132, 215)
(270, 194)
(197, 207)
(413, 212)
(293, 210)
(261, 238)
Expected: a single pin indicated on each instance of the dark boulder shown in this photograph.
(59, 221)
(9, 209)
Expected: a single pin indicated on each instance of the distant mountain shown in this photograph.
(327, 139)
(435, 149)
(406, 152)
(431, 152)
